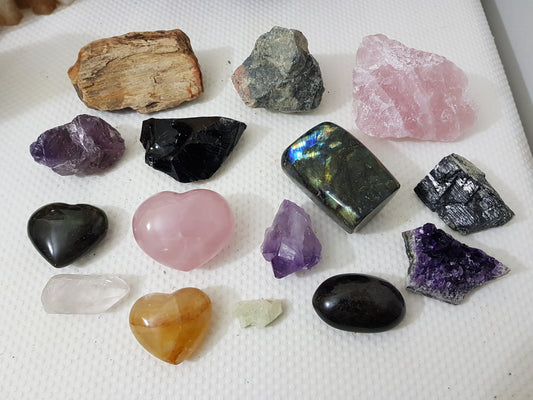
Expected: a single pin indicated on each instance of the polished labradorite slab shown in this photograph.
(339, 174)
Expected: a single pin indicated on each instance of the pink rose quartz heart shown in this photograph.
(183, 230)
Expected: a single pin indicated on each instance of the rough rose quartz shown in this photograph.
(403, 92)
(183, 230)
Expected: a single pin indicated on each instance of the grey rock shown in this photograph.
(462, 197)
(280, 74)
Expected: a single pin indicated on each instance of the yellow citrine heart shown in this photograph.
(171, 326)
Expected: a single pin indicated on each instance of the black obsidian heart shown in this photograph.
(359, 303)
(62, 232)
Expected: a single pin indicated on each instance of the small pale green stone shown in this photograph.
(257, 313)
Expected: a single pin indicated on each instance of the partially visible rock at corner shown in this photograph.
(280, 74)
(11, 14)
(145, 71)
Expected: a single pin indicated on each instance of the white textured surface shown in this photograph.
(479, 350)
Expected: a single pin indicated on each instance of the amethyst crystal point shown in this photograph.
(290, 243)
(444, 268)
(189, 149)
(458, 191)
(85, 146)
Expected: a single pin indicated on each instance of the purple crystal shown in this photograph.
(444, 268)
(85, 146)
(290, 243)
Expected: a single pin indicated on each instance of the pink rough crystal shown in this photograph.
(403, 92)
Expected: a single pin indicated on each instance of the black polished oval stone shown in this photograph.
(62, 232)
(359, 303)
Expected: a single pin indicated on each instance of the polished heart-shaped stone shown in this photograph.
(183, 230)
(62, 233)
(171, 326)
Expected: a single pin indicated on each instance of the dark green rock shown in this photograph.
(62, 233)
(339, 174)
(280, 74)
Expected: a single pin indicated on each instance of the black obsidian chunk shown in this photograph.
(359, 303)
(458, 191)
(189, 149)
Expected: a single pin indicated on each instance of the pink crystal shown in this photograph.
(403, 92)
(183, 230)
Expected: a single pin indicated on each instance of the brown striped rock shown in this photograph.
(145, 71)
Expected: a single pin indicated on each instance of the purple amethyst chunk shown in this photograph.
(87, 145)
(290, 243)
(444, 268)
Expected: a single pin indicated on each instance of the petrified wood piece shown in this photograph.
(145, 71)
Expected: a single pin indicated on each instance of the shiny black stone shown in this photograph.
(339, 174)
(189, 149)
(62, 232)
(462, 197)
(359, 303)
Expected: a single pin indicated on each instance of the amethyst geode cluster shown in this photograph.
(444, 268)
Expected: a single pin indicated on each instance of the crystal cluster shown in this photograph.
(280, 74)
(402, 92)
(183, 230)
(171, 326)
(87, 145)
(290, 243)
(258, 313)
(444, 268)
(359, 303)
(339, 174)
(189, 149)
(82, 294)
(461, 195)
(62, 233)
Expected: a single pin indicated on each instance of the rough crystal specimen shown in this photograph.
(258, 313)
(145, 71)
(339, 174)
(402, 92)
(458, 191)
(183, 230)
(280, 74)
(82, 294)
(62, 233)
(87, 145)
(444, 268)
(290, 243)
(189, 149)
(359, 303)
(172, 326)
